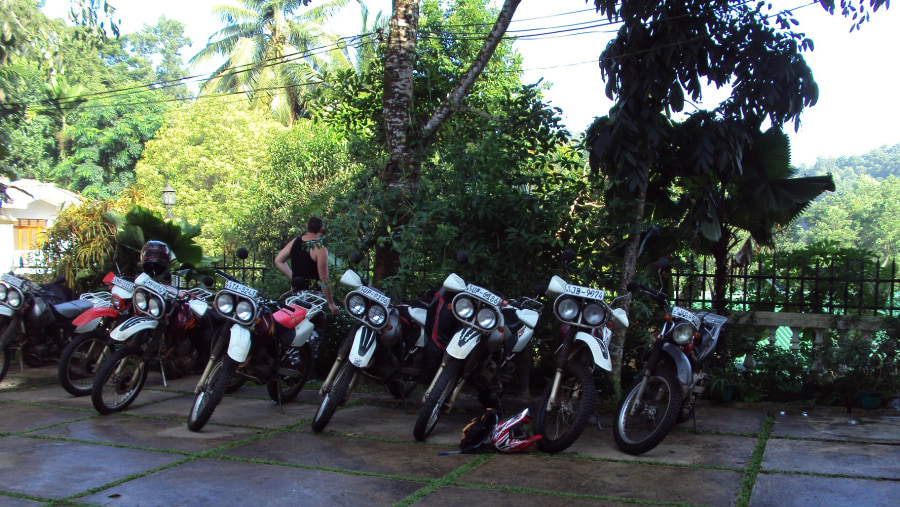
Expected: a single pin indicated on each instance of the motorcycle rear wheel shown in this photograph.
(654, 415)
(299, 362)
(561, 426)
(119, 380)
(80, 360)
(211, 393)
(5, 354)
(431, 410)
(334, 397)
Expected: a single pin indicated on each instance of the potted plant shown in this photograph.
(724, 380)
(863, 367)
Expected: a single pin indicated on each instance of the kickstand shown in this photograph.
(280, 405)
(694, 417)
(599, 425)
(162, 371)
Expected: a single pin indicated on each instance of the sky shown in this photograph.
(856, 72)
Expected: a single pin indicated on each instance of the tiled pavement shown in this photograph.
(56, 450)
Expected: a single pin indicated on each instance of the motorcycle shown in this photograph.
(263, 342)
(384, 346)
(481, 352)
(91, 344)
(672, 379)
(36, 320)
(568, 401)
(168, 328)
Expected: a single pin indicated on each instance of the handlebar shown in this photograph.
(659, 296)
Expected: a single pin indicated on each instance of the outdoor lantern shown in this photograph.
(168, 199)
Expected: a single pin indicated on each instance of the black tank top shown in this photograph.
(302, 264)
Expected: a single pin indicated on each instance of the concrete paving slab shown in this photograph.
(122, 429)
(628, 481)
(359, 454)
(236, 410)
(870, 460)
(726, 418)
(395, 424)
(29, 417)
(679, 447)
(837, 425)
(54, 469)
(453, 496)
(780, 490)
(218, 483)
(11, 501)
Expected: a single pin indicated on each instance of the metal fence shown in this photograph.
(838, 285)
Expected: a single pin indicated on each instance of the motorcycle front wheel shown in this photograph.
(4, 361)
(119, 380)
(211, 393)
(293, 371)
(562, 424)
(334, 397)
(80, 360)
(431, 410)
(642, 423)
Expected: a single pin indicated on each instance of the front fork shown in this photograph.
(561, 366)
(652, 361)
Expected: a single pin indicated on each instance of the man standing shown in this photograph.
(309, 261)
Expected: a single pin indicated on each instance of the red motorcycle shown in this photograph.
(91, 345)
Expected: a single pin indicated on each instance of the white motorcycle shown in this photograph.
(385, 346)
(568, 401)
(482, 351)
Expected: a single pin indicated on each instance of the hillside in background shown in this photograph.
(877, 164)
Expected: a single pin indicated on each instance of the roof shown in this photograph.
(19, 198)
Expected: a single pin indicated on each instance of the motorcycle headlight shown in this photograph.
(464, 307)
(155, 307)
(567, 309)
(3, 291)
(683, 333)
(14, 298)
(140, 300)
(225, 303)
(356, 305)
(594, 314)
(377, 315)
(487, 318)
(245, 311)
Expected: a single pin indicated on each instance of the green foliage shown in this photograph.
(211, 153)
(778, 375)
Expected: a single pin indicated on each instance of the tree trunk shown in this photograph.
(401, 174)
(629, 266)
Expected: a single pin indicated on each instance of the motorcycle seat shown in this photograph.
(74, 308)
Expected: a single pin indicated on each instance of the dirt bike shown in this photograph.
(35, 320)
(264, 342)
(672, 379)
(167, 329)
(91, 344)
(385, 346)
(568, 401)
(482, 352)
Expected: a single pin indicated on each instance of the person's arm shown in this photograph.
(322, 266)
(282, 258)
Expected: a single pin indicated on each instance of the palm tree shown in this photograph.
(762, 197)
(63, 99)
(274, 54)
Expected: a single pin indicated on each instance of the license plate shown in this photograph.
(585, 292)
(681, 313)
(155, 287)
(484, 294)
(374, 295)
(12, 280)
(241, 289)
(123, 283)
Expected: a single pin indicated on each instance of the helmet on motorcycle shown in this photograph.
(155, 257)
(509, 436)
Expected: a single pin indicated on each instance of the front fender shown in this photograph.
(14, 327)
(239, 343)
(598, 347)
(133, 326)
(463, 342)
(682, 363)
(6, 311)
(90, 318)
(363, 348)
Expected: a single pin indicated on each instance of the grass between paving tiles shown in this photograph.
(751, 471)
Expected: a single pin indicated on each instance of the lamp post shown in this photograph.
(168, 199)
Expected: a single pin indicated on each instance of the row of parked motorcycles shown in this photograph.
(462, 335)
